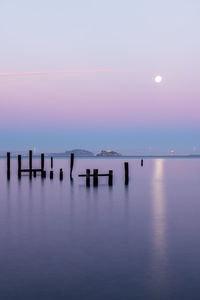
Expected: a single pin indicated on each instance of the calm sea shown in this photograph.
(61, 240)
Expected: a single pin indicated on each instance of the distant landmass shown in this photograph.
(102, 153)
(79, 152)
(108, 153)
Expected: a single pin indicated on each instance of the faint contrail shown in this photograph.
(64, 72)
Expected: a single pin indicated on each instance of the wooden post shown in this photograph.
(126, 173)
(141, 162)
(19, 165)
(43, 174)
(95, 177)
(51, 174)
(88, 177)
(61, 174)
(51, 162)
(42, 161)
(34, 173)
(110, 178)
(71, 164)
(30, 163)
(8, 164)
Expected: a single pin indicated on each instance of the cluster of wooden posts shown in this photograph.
(34, 171)
(95, 176)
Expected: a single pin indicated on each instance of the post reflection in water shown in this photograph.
(159, 224)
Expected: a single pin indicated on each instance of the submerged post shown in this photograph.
(61, 174)
(30, 162)
(88, 177)
(42, 161)
(8, 164)
(141, 162)
(126, 173)
(110, 178)
(95, 177)
(51, 162)
(71, 164)
(19, 165)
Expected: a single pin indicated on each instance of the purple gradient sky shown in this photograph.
(81, 74)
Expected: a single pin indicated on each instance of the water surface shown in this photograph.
(61, 240)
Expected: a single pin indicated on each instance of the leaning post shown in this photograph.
(71, 164)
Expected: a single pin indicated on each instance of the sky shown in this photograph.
(80, 74)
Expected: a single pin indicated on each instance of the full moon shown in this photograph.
(158, 79)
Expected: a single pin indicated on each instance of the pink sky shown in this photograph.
(92, 66)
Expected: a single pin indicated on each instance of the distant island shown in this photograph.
(102, 153)
(79, 152)
(108, 153)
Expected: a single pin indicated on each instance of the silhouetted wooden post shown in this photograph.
(88, 177)
(51, 162)
(42, 161)
(30, 162)
(51, 174)
(19, 165)
(34, 173)
(126, 173)
(141, 162)
(95, 177)
(43, 174)
(8, 164)
(61, 174)
(71, 164)
(110, 178)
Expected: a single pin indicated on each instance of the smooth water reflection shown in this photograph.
(159, 225)
(159, 209)
(61, 240)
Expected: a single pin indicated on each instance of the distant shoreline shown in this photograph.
(14, 156)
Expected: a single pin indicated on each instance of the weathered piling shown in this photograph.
(142, 162)
(19, 165)
(51, 162)
(110, 178)
(30, 163)
(51, 174)
(43, 174)
(34, 173)
(126, 170)
(87, 177)
(42, 161)
(95, 177)
(71, 164)
(61, 174)
(8, 164)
